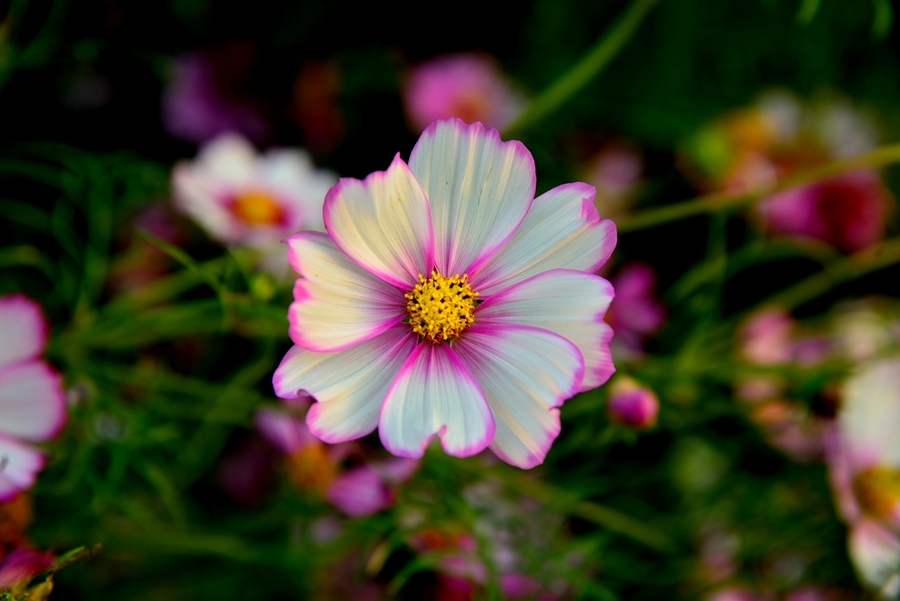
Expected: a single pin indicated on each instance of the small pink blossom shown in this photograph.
(447, 301)
(631, 404)
(636, 314)
(847, 212)
(468, 86)
(32, 401)
(21, 565)
(616, 173)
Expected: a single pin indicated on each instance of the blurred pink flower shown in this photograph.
(242, 198)
(201, 102)
(468, 86)
(631, 404)
(616, 173)
(737, 594)
(21, 565)
(32, 400)
(360, 491)
(864, 458)
(388, 330)
(847, 212)
(635, 314)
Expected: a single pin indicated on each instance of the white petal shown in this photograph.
(337, 304)
(875, 552)
(435, 393)
(32, 401)
(525, 374)
(349, 386)
(383, 223)
(293, 176)
(569, 303)
(229, 158)
(19, 465)
(24, 329)
(562, 231)
(869, 419)
(479, 188)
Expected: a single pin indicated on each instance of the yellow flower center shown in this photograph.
(257, 208)
(311, 469)
(440, 308)
(878, 491)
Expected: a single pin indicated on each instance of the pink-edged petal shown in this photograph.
(383, 223)
(569, 303)
(287, 433)
(526, 373)
(360, 492)
(869, 418)
(435, 393)
(32, 401)
(479, 187)
(337, 304)
(24, 329)
(875, 552)
(562, 231)
(19, 465)
(349, 385)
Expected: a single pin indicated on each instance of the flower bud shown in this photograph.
(632, 404)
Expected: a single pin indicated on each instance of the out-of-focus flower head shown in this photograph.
(631, 404)
(447, 301)
(775, 138)
(32, 400)
(636, 314)
(468, 86)
(738, 594)
(866, 329)
(313, 466)
(864, 458)
(243, 198)
(616, 172)
(770, 337)
(204, 99)
(315, 105)
(19, 567)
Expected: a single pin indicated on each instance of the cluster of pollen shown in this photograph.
(878, 491)
(257, 208)
(440, 308)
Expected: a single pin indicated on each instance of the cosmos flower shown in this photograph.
(32, 401)
(359, 491)
(636, 314)
(245, 199)
(468, 86)
(446, 300)
(865, 469)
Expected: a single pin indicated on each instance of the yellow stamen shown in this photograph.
(440, 308)
(878, 491)
(257, 208)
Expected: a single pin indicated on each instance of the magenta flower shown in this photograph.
(198, 105)
(32, 401)
(446, 300)
(21, 565)
(468, 86)
(360, 491)
(847, 212)
(865, 469)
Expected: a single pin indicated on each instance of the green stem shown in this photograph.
(716, 201)
(571, 82)
(872, 259)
